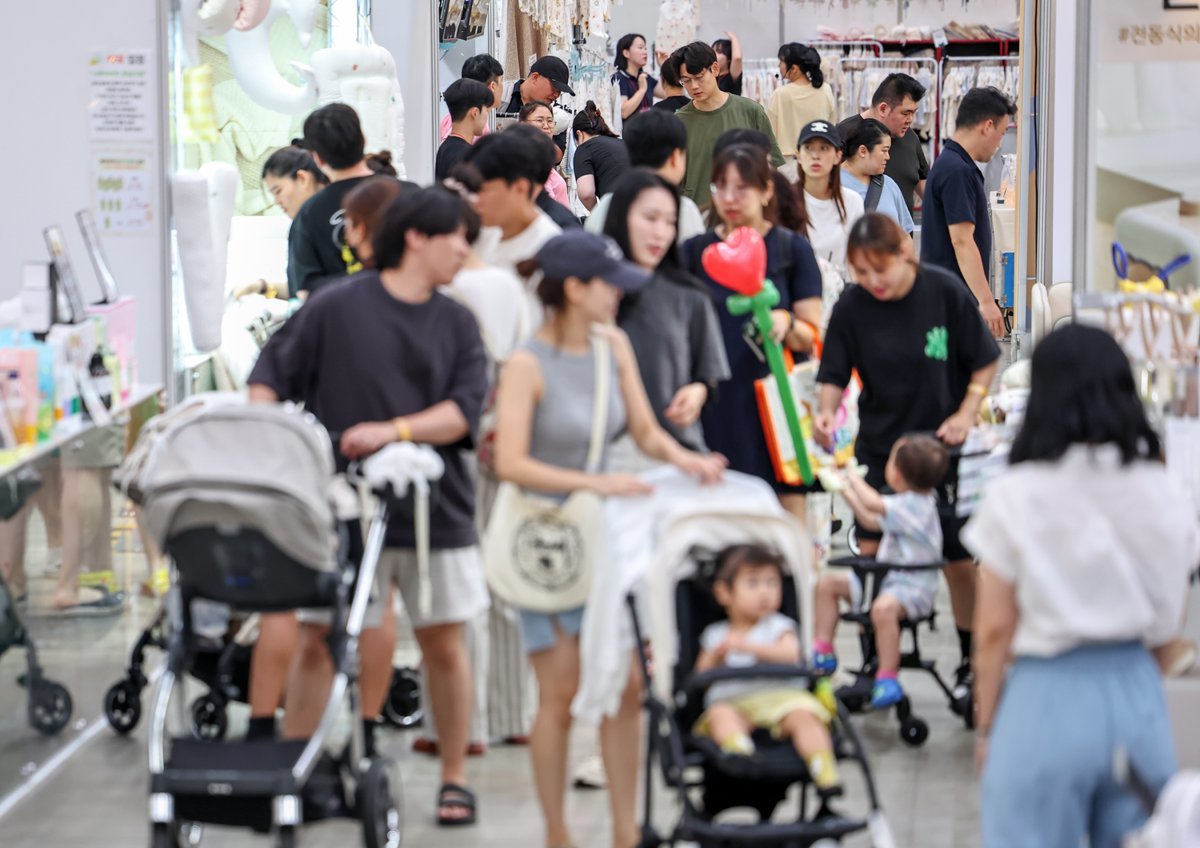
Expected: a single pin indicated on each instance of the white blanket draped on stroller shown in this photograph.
(652, 539)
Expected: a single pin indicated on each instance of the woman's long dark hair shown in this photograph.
(1083, 393)
(616, 224)
(290, 161)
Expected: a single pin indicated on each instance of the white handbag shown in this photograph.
(538, 553)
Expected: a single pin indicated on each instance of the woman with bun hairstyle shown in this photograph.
(802, 99)
(600, 157)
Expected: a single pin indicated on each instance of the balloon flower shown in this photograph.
(740, 264)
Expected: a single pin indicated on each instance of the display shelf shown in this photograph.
(12, 461)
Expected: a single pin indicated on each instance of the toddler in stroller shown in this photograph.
(749, 586)
(906, 578)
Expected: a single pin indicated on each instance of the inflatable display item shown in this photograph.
(739, 263)
(254, 68)
(304, 17)
(213, 17)
(251, 14)
(364, 77)
(202, 202)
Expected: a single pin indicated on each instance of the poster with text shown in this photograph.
(122, 192)
(121, 103)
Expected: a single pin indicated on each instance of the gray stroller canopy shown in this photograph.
(266, 468)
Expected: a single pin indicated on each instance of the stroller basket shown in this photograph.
(242, 568)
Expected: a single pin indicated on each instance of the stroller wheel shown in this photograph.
(378, 807)
(209, 720)
(852, 540)
(164, 836)
(914, 731)
(49, 706)
(123, 706)
(403, 705)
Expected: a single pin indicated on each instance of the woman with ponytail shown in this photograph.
(600, 157)
(803, 98)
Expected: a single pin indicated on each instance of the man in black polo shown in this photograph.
(956, 227)
(548, 79)
(895, 105)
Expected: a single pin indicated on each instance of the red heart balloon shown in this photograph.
(739, 262)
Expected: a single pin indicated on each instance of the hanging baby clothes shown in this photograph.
(678, 21)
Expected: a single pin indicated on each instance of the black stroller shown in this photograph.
(705, 781)
(49, 706)
(240, 497)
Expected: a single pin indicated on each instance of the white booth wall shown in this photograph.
(48, 155)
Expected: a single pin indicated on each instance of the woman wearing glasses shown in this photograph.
(539, 114)
(744, 195)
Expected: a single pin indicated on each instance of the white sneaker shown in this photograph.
(590, 774)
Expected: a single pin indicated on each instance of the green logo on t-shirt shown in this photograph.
(937, 344)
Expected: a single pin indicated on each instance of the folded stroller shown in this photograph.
(241, 499)
(49, 706)
(706, 781)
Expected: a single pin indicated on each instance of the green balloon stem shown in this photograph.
(760, 306)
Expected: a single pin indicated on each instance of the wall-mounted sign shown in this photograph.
(120, 98)
(1148, 30)
(122, 191)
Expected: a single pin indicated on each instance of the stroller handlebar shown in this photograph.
(862, 563)
(701, 682)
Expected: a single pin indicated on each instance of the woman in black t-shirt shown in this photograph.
(744, 195)
(926, 360)
(600, 157)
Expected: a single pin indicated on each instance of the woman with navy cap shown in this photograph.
(544, 409)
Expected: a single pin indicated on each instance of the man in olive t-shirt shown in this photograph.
(711, 113)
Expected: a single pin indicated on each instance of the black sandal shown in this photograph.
(455, 797)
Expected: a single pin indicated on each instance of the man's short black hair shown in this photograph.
(482, 68)
(652, 136)
(895, 87)
(741, 135)
(669, 71)
(984, 104)
(334, 133)
(512, 155)
(694, 57)
(433, 211)
(463, 95)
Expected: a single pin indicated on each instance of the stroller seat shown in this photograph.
(760, 782)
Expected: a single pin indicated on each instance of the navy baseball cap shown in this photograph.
(555, 70)
(821, 129)
(585, 255)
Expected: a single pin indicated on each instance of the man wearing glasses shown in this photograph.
(548, 79)
(712, 112)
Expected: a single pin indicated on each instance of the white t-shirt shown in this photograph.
(827, 232)
(1098, 552)
(691, 222)
(496, 298)
(769, 630)
(507, 253)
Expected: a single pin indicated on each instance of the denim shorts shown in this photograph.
(538, 628)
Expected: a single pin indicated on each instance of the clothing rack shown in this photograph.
(854, 81)
(819, 44)
(959, 74)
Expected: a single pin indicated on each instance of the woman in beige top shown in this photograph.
(805, 97)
